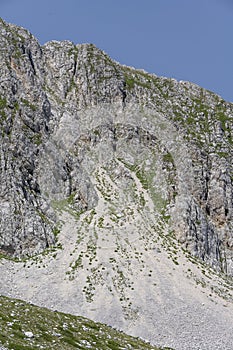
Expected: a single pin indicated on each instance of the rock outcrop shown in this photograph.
(78, 129)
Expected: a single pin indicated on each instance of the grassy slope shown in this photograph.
(55, 330)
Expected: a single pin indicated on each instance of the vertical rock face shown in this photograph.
(71, 118)
(24, 126)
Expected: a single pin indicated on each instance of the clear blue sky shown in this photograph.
(184, 39)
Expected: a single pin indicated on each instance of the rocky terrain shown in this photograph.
(116, 195)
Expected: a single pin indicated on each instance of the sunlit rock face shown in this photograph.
(131, 155)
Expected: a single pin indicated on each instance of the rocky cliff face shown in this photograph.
(127, 152)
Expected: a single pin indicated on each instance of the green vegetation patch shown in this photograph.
(28, 104)
(68, 205)
(25, 326)
(3, 103)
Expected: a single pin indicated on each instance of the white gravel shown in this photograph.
(151, 297)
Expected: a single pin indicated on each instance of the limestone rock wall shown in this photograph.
(61, 102)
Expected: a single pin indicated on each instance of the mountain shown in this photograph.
(116, 193)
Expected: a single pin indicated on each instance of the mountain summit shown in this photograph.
(116, 192)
